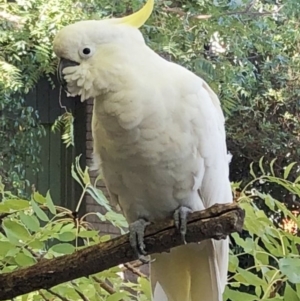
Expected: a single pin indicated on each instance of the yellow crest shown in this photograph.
(138, 18)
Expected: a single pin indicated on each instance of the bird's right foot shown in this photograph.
(136, 238)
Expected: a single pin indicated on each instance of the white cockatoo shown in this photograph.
(159, 140)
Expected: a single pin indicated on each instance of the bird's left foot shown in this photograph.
(136, 238)
(180, 219)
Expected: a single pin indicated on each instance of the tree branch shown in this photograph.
(134, 270)
(215, 222)
(104, 285)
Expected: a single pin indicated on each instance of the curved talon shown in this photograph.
(136, 238)
(180, 219)
(145, 260)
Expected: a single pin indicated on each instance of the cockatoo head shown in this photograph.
(91, 52)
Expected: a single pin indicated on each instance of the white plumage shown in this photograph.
(158, 132)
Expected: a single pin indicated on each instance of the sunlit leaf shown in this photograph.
(145, 286)
(49, 203)
(261, 161)
(39, 212)
(15, 231)
(251, 171)
(63, 248)
(287, 170)
(290, 267)
(5, 246)
(17, 204)
(290, 294)
(24, 260)
(118, 296)
(39, 198)
(66, 236)
(230, 294)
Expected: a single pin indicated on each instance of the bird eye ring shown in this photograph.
(85, 52)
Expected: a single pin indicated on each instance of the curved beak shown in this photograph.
(63, 63)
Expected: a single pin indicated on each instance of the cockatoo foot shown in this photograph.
(136, 238)
(180, 219)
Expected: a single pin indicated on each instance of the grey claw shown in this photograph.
(146, 260)
(136, 237)
(180, 219)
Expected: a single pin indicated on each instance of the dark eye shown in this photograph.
(86, 51)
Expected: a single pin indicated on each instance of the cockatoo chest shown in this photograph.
(146, 161)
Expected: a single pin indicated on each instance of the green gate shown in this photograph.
(56, 159)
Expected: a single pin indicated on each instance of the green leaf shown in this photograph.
(145, 286)
(99, 197)
(271, 166)
(290, 267)
(24, 260)
(250, 277)
(233, 263)
(297, 180)
(251, 171)
(15, 231)
(30, 221)
(75, 176)
(39, 198)
(63, 248)
(253, 227)
(5, 246)
(290, 294)
(13, 252)
(287, 170)
(238, 240)
(49, 203)
(68, 227)
(88, 289)
(234, 295)
(17, 204)
(298, 289)
(4, 208)
(285, 211)
(270, 202)
(271, 244)
(79, 169)
(118, 296)
(260, 163)
(66, 236)
(261, 258)
(104, 238)
(86, 176)
(88, 234)
(116, 219)
(258, 290)
(36, 245)
(39, 212)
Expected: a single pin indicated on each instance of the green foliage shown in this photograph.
(65, 123)
(36, 229)
(248, 52)
(256, 74)
(271, 270)
(27, 29)
(19, 139)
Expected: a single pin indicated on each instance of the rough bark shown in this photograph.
(216, 222)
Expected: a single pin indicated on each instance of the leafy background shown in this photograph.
(248, 51)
